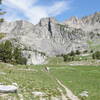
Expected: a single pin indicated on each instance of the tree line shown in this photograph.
(71, 56)
(11, 54)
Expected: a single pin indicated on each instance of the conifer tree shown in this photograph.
(1, 12)
(6, 51)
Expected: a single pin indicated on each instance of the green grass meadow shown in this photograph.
(76, 78)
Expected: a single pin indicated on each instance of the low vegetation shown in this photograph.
(71, 56)
(29, 79)
(34, 78)
(80, 56)
(96, 55)
(80, 78)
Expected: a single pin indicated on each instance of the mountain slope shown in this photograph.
(50, 38)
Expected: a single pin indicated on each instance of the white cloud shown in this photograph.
(32, 11)
(58, 8)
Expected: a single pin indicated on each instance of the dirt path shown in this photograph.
(63, 96)
(69, 93)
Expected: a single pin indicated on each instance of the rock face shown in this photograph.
(50, 38)
(88, 23)
(34, 57)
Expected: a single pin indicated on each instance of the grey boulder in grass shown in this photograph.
(8, 89)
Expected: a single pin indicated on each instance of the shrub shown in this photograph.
(96, 55)
(78, 52)
(20, 60)
(72, 53)
(91, 51)
(85, 51)
(68, 58)
(17, 56)
(65, 57)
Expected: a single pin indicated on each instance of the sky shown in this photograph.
(34, 10)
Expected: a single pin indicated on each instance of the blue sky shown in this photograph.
(81, 8)
(34, 10)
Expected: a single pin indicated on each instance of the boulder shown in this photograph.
(38, 93)
(2, 73)
(8, 89)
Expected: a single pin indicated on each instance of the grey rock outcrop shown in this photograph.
(50, 37)
(34, 57)
(87, 23)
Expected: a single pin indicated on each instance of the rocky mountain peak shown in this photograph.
(86, 23)
(92, 19)
(73, 19)
(45, 21)
(51, 37)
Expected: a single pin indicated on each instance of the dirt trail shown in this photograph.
(69, 93)
(63, 96)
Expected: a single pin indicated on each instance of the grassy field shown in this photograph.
(80, 78)
(29, 79)
(34, 78)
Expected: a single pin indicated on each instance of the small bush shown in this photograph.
(17, 56)
(85, 51)
(91, 51)
(96, 55)
(65, 57)
(68, 58)
(72, 53)
(78, 52)
(21, 60)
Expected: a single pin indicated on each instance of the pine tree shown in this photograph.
(1, 12)
(1, 51)
(0, 1)
(6, 51)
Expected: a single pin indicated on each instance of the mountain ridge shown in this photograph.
(52, 37)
